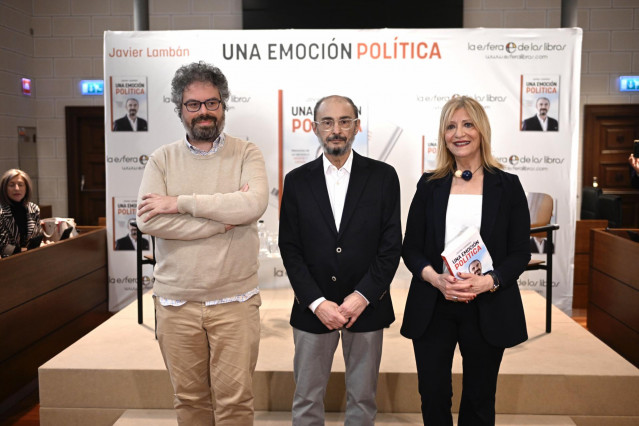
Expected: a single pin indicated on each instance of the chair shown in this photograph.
(590, 202)
(597, 205)
(142, 260)
(610, 208)
(540, 206)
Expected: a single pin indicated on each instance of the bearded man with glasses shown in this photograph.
(201, 197)
(340, 239)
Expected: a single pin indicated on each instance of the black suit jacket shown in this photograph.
(124, 125)
(533, 123)
(125, 243)
(362, 256)
(505, 229)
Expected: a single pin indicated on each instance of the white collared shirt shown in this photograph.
(544, 123)
(215, 147)
(134, 124)
(337, 184)
(133, 241)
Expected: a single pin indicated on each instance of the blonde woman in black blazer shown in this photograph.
(483, 314)
(19, 218)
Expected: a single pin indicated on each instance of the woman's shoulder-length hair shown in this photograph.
(479, 118)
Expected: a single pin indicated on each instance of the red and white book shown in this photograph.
(467, 253)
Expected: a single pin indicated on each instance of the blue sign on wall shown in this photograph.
(92, 87)
(629, 83)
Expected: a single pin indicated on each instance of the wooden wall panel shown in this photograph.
(41, 270)
(612, 256)
(582, 261)
(22, 369)
(615, 298)
(613, 295)
(49, 298)
(615, 334)
(29, 322)
(582, 269)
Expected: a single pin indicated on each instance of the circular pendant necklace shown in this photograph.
(466, 174)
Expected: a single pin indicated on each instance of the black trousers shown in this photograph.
(452, 323)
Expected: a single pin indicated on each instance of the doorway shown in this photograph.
(609, 132)
(86, 180)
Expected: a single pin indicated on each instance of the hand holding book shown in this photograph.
(467, 259)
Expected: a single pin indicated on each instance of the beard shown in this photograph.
(205, 133)
(338, 150)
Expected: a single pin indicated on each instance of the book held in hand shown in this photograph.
(467, 253)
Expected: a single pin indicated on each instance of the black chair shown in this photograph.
(142, 260)
(590, 202)
(540, 206)
(546, 265)
(597, 205)
(610, 208)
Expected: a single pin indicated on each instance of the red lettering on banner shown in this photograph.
(398, 50)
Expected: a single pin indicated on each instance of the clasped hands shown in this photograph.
(155, 204)
(335, 316)
(462, 289)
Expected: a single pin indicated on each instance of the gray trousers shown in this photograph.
(312, 368)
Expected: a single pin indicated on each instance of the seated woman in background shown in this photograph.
(19, 218)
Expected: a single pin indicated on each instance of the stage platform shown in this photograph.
(115, 375)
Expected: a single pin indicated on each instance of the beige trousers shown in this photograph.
(210, 353)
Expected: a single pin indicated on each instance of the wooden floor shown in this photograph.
(27, 412)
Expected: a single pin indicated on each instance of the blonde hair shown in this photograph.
(477, 114)
(4, 185)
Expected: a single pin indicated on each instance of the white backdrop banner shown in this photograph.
(399, 79)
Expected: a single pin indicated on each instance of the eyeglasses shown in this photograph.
(328, 125)
(211, 104)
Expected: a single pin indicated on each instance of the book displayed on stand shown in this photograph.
(467, 253)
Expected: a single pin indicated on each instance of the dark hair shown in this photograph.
(349, 100)
(4, 184)
(202, 72)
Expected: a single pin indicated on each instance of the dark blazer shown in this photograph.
(533, 123)
(362, 256)
(505, 229)
(124, 125)
(125, 243)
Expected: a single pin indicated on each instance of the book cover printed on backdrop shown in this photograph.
(535, 89)
(128, 100)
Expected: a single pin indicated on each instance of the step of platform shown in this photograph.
(283, 418)
(118, 367)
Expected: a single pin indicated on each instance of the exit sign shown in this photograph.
(629, 83)
(92, 87)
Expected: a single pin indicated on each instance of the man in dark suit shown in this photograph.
(130, 122)
(128, 242)
(340, 240)
(541, 121)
